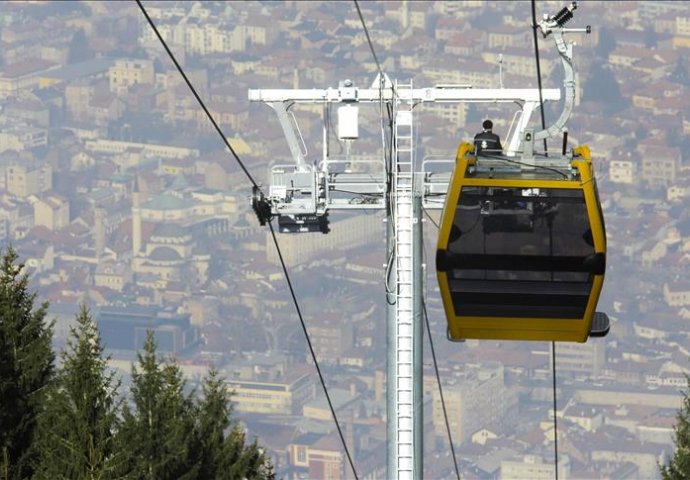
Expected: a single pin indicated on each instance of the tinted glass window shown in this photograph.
(522, 252)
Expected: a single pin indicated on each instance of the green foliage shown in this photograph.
(157, 437)
(221, 455)
(26, 366)
(76, 429)
(167, 435)
(214, 419)
(71, 425)
(679, 466)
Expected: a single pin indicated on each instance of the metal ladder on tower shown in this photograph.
(403, 156)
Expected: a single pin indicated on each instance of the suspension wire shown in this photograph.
(371, 45)
(196, 95)
(536, 56)
(433, 356)
(311, 349)
(440, 391)
(270, 225)
(553, 343)
(388, 153)
(555, 411)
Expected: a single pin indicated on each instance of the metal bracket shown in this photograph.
(261, 206)
(555, 25)
(528, 144)
(295, 190)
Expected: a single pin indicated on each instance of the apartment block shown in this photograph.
(475, 397)
(126, 73)
(660, 164)
(20, 137)
(535, 468)
(51, 211)
(622, 171)
(275, 394)
(30, 178)
(677, 294)
(581, 359)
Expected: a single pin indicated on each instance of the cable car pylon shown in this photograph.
(302, 194)
(404, 370)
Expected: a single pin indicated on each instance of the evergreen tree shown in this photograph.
(221, 455)
(214, 419)
(157, 437)
(243, 461)
(679, 466)
(26, 366)
(76, 432)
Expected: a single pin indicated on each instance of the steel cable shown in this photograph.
(270, 225)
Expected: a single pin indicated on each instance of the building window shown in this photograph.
(301, 455)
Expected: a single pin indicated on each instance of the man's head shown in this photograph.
(487, 125)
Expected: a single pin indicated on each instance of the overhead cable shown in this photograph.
(440, 391)
(536, 56)
(311, 350)
(553, 344)
(275, 240)
(426, 212)
(371, 45)
(433, 356)
(196, 95)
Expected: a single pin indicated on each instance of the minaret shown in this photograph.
(136, 218)
(99, 231)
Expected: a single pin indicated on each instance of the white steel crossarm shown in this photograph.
(416, 95)
(527, 98)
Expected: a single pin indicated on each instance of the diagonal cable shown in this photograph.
(275, 240)
(371, 45)
(196, 95)
(553, 344)
(536, 56)
(311, 350)
(555, 411)
(438, 377)
(382, 83)
(426, 212)
(440, 390)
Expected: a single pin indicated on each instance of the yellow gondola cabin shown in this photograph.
(522, 250)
